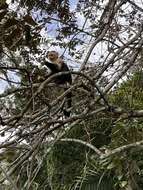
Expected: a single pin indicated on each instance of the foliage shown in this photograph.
(100, 145)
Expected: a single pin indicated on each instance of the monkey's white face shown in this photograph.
(52, 56)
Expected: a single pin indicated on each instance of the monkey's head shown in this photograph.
(53, 56)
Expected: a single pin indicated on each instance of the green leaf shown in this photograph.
(110, 166)
(123, 184)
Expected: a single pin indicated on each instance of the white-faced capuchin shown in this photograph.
(56, 64)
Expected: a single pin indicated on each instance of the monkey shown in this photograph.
(57, 64)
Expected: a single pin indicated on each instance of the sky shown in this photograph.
(99, 50)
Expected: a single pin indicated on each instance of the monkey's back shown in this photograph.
(64, 77)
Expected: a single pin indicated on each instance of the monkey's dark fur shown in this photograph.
(55, 69)
(62, 79)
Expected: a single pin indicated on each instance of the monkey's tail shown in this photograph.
(69, 104)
